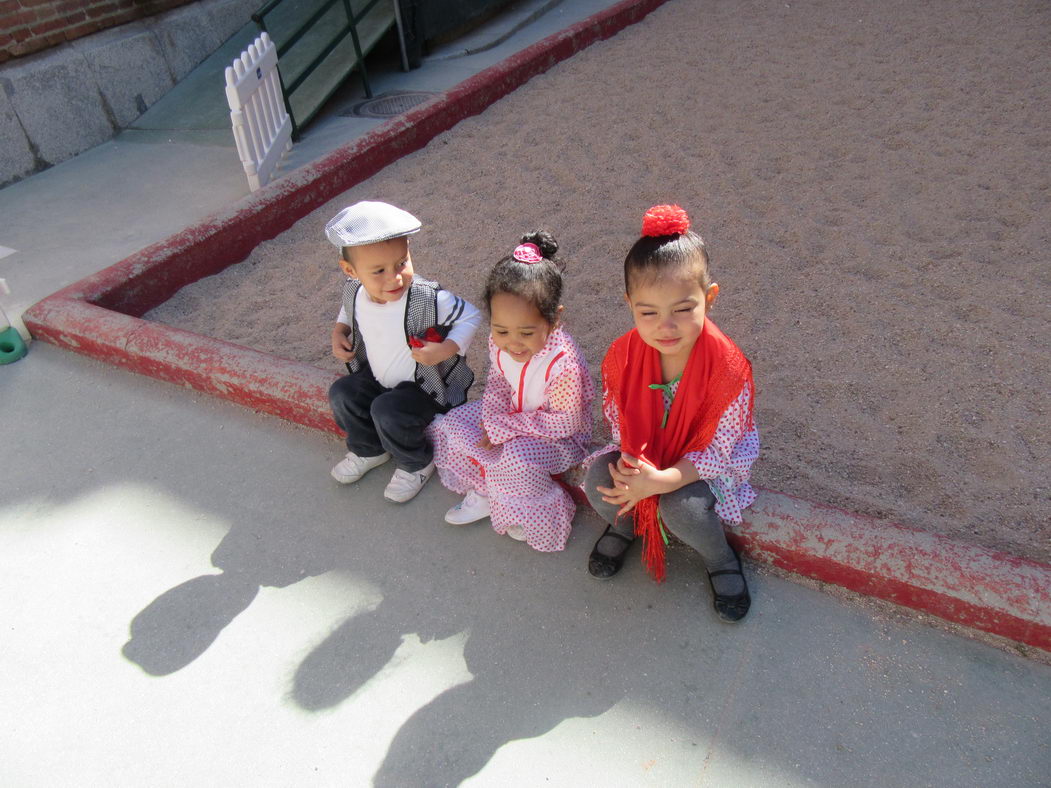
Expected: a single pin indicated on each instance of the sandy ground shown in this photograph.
(874, 181)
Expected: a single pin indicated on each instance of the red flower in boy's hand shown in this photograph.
(430, 335)
(665, 220)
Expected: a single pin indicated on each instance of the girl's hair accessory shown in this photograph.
(528, 253)
(665, 220)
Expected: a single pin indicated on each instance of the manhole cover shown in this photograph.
(387, 105)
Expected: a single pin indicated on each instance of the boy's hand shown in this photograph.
(435, 352)
(484, 442)
(342, 348)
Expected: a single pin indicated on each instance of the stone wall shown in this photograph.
(59, 102)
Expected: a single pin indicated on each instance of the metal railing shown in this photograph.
(287, 39)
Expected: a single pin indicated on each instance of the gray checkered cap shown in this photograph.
(368, 223)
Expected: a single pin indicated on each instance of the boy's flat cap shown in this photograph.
(369, 223)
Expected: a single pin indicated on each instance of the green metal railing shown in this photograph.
(288, 36)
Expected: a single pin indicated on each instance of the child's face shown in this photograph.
(669, 314)
(384, 269)
(517, 327)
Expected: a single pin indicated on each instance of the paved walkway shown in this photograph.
(188, 599)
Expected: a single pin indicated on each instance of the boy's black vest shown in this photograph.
(446, 382)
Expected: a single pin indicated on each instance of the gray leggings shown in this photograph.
(688, 513)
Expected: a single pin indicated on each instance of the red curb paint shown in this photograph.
(99, 317)
(292, 390)
(971, 585)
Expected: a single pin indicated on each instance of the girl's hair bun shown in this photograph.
(531, 272)
(665, 220)
(544, 240)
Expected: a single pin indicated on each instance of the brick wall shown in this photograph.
(28, 26)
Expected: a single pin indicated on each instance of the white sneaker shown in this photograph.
(516, 532)
(352, 467)
(471, 509)
(405, 484)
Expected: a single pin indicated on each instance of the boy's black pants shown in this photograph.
(378, 419)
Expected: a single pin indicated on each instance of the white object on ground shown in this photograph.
(352, 467)
(471, 509)
(405, 484)
(261, 125)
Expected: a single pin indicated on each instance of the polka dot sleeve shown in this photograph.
(727, 462)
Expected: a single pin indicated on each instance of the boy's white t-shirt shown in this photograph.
(382, 329)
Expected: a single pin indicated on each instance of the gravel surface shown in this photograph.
(874, 181)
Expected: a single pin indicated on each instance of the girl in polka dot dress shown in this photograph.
(534, 419)
(677, 394)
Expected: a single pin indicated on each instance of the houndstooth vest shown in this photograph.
(446, 382)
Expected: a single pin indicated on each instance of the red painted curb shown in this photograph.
(98, 317)
(971, 585)
(290, 389)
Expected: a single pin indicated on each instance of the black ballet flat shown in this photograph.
(731, 608)
(605, 566)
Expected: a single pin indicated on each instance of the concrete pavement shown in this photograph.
(188, 599)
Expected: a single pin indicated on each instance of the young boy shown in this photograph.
(403, 339)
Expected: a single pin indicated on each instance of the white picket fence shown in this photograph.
(262, 127)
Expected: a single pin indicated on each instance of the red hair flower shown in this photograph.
(665, 220)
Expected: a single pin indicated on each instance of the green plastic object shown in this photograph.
(12, 347)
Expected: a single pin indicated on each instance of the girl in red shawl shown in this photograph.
(678, 395)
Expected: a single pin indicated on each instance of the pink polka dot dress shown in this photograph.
(538, 417)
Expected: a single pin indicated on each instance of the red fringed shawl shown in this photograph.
(715, 374)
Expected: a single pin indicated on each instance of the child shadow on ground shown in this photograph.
(179, 625)
(545, 642)
(261, 549)
(529, 675)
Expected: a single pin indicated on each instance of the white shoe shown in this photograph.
(352, 467)
(516, 532)
(471, 509)
(405, 484)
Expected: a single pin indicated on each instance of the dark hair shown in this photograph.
(347, 252)
(652, 257)
(538, 283)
